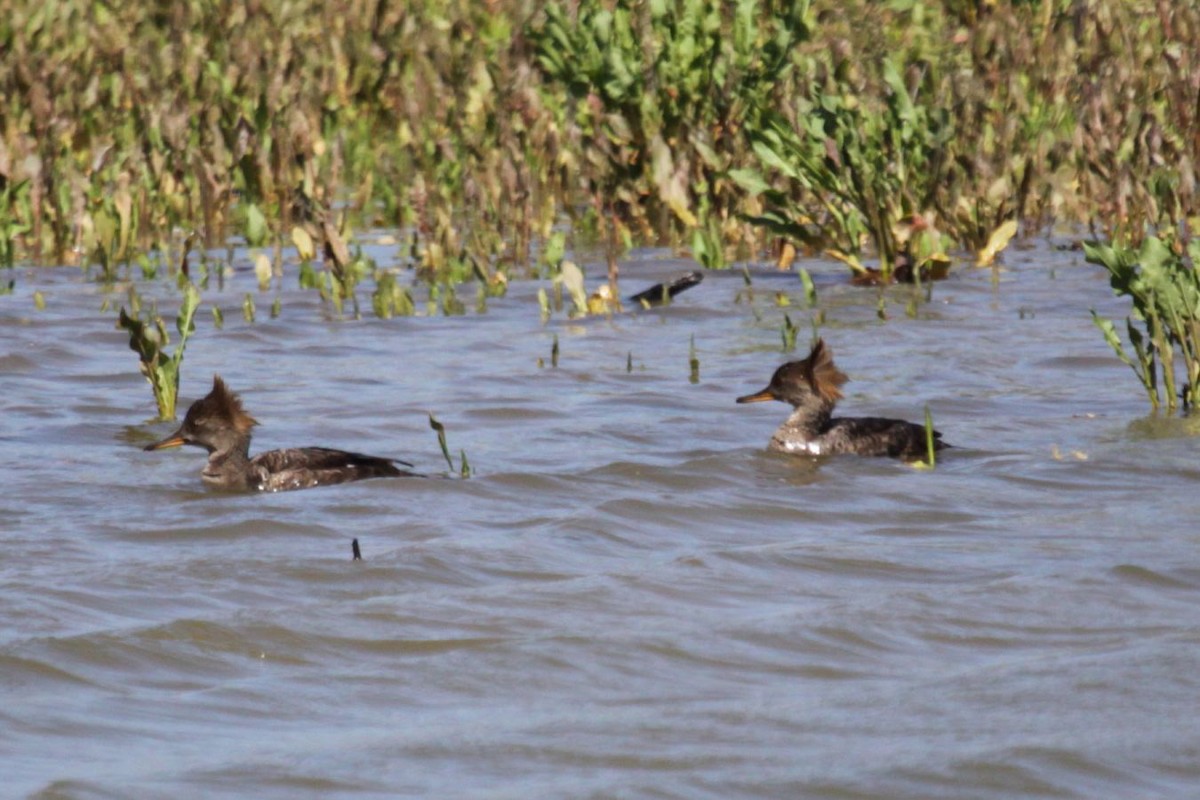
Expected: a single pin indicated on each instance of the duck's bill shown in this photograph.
(174, 440)
(757, 397)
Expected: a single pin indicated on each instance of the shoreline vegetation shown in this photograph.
(482, 126)
(884, 135)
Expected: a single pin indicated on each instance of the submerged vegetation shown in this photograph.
(887, 136)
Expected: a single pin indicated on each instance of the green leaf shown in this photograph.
(750, 180)
(555, 248)
(256, 226)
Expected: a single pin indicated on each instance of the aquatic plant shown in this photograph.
(390, 298)
(921, 127)
(1164, 288)
(930, 461)
(810, 289)
(13, 197)
(464, 468)
(893, 131)
(570, 276)
(148, 340)
(658, 92)
(864, 164)
(788, 334)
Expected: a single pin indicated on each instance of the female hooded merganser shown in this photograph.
(219, 425)
(813, 387)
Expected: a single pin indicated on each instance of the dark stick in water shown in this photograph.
(660, 293)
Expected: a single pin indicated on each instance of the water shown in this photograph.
(631, 597)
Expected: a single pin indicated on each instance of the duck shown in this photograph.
(219, 424)
(813, 386)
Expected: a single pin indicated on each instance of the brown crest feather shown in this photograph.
(825, 377)
(227, 404)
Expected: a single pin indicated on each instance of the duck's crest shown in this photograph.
(226, 403)
(823, 374)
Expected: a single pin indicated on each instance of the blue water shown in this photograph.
(630, 597)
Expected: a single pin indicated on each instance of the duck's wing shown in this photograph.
(304, 467)
(878, 436)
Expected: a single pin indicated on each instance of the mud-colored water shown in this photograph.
(631, 597)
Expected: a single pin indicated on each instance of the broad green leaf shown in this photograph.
(256, 226)
(750, 180)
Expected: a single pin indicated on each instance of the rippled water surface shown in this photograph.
(630, 597)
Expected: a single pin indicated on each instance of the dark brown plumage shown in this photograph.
(219, 424)
(812, 387)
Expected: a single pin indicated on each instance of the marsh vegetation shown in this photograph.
(892, 138)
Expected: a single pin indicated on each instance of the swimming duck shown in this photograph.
(218, 423)
(813, 386)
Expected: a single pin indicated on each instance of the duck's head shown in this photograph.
(216, 422)
(815, 379)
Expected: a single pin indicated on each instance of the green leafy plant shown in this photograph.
(659, 92)
(866, 164)
(1164, 288)
(390, 299)
(149, 341)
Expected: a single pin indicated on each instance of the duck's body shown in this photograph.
(219, 425)
(813, 387)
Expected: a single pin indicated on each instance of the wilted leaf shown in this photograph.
(787, 255)
(996, 242)
(262, 271)
(305, 248)
(672, 184)
(124, 205)
(572, 278)
(335, 246)
(441, 437)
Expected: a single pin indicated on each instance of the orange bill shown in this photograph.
(758, 397)
(174, 440)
